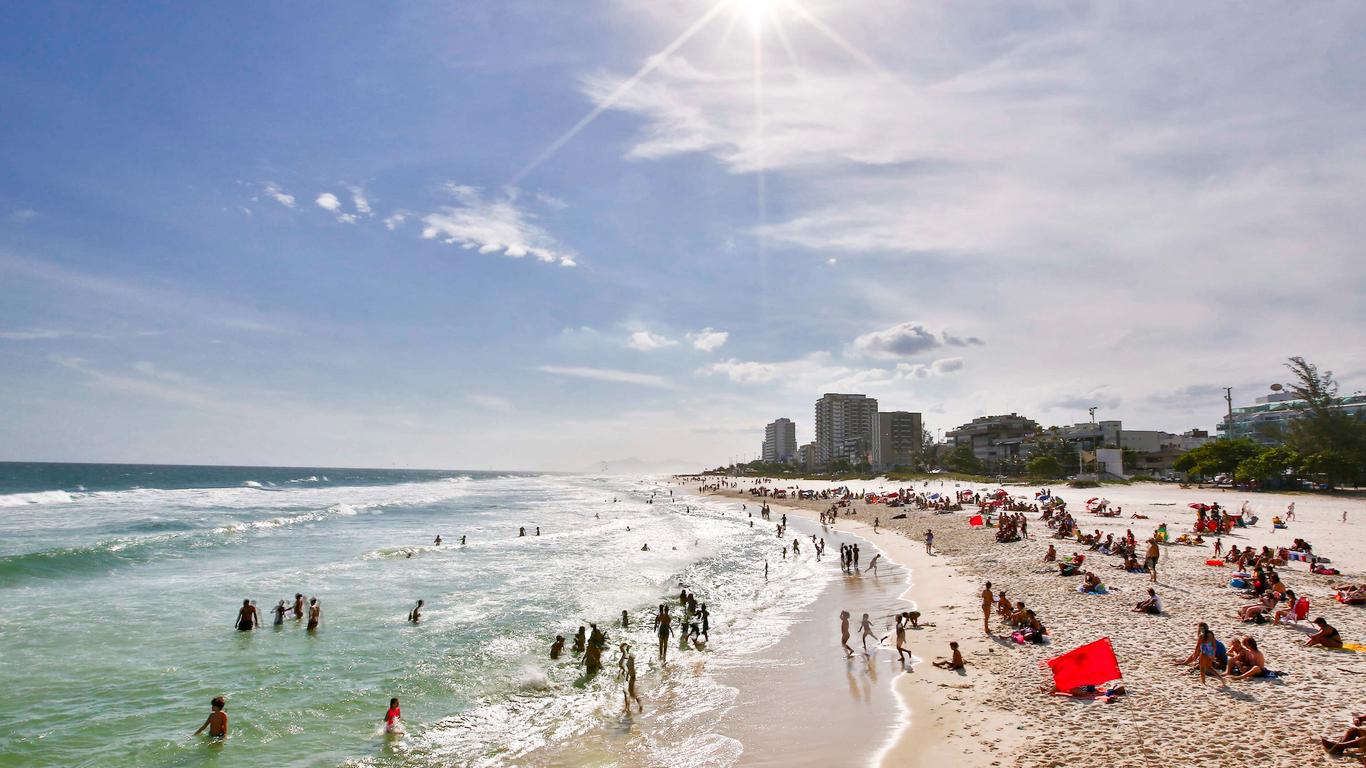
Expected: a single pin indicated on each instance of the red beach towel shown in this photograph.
(1091, 664)
(976, 520)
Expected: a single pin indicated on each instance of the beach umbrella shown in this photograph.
(1199, 506)
(1090, 664)
(1091, 500)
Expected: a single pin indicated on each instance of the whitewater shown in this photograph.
(119, 587)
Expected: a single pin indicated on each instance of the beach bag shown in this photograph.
(1219, 563)
(1238, 584)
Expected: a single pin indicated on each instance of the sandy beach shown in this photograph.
(995, 713)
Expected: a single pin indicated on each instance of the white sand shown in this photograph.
(995, 715)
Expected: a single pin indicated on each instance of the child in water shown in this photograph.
(217, 721)
(391, 718)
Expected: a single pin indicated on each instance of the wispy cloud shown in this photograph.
(496, 225)
(274, 191)
(608, 375)
(39, 334)
(393, 220)
(21, 215)
(360, 201)
(491, 402)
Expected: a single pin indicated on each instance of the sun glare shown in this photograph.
(756, 12)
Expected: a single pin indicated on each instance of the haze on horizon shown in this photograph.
(537, 235)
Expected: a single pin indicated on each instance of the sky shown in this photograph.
(546, 235)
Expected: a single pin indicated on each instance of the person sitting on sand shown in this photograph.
(955, 661)
(1253, 662)
(1091, 584)
(1152, 605)
(1051, 556)
(1355, 737)
(1072, 565)
(1326, 637)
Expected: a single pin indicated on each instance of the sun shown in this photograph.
(757, 12)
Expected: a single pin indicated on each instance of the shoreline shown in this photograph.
(932, 726)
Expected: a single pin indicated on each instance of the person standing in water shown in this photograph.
(392, 717)
(631, 684)
(625, 620)
(521, 532)
(315, 614)
(538, 530)
(705, 616)
(462, 540)
(872, 564)
(437, 540)
(280, 610)
(217, 721)
(415, 615)
(844, 635)
(247, 617)
(298, 606)
(557, 647)
(580, 640)
(662, 631)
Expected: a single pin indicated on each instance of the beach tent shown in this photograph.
(976, 520)
(1091, 664)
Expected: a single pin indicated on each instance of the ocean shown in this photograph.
(119, 586)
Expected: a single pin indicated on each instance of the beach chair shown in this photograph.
(1301, 611)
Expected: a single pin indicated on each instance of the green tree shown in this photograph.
(1332, 441)
(1216, 458)
(1270, 464)
(1045, 467)
(962, 459)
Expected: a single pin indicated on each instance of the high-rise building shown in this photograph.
(897, 439)
(844, 427)
(780, 441)
(806, 456)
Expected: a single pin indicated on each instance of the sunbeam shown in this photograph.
(650, 65)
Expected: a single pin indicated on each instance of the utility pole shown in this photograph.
(1228, 426)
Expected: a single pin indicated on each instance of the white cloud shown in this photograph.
(21, 215)
(493, 226)
(907, 371)
(393, 220)
(359, 200)
(328, 202)
(41, 334)
(279, 195)
(608, 375)
(646, 341)
(708, 339)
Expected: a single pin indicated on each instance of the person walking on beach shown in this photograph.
(704, 616)
(765, 570)
(855, 557)
(929, 541)
(247, 617)
(844, 635)
(876, 523)
(415, 615)
(315, 614)
(865, 628)
(1150, 560)
(988, 602)
(217, 721)
(902, 619)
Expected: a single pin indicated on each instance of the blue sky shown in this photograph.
(298, 234)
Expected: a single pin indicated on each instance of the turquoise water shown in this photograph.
(119, 586)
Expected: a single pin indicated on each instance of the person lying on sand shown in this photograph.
(1326, 637)
(955, 661)
(1090, 692)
